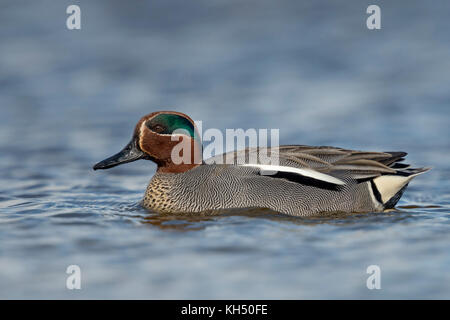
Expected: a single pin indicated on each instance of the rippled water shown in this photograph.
(70, 98)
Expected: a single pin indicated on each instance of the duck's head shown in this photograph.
(168, 138)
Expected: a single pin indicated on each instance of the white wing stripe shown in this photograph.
(304, 172)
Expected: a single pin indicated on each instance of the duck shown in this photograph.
(306, 181)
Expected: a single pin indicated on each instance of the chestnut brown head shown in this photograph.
(168, 138)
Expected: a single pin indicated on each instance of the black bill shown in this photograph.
(130, 153)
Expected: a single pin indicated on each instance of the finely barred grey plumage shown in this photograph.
(219, 186)
(213, 187)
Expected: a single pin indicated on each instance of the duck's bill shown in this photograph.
(129, 154)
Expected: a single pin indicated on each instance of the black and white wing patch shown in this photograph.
(304, 176)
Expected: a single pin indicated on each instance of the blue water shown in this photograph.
(311, 68)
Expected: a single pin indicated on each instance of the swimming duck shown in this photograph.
(306, 181)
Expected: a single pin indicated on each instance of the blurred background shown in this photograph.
(69, 98)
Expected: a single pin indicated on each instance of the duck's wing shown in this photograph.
(345, 163)
(324, 163)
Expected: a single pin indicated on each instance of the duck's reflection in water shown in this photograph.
(199, 221)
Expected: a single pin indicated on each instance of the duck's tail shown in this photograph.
(390, 187)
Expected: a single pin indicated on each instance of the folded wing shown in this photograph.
(326, 166)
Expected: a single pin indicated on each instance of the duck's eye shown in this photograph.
(157, 128)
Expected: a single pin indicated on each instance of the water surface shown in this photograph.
(71, 98)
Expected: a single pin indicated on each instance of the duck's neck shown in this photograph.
(193, 160)
(170, 167)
